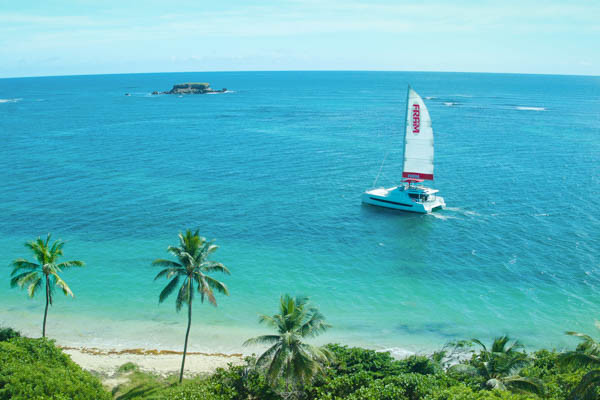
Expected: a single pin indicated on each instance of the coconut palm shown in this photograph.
(500, 366)
(587, 354)
(33, 276)
(192, 266)
(289, 357)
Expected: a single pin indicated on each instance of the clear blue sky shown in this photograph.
(63, 37)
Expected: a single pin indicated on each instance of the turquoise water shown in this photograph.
(273, 171)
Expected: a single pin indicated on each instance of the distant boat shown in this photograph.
(411, 195)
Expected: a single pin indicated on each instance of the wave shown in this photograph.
(450, 103)
(463, 212)
(430, 98)
(442, 216)
(523, 108)
(10, 100)
(398, 353)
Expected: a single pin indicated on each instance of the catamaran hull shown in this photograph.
(398, 200)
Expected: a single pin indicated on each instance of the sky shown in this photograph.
(68, 37)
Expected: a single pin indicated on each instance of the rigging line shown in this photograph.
(380, 168)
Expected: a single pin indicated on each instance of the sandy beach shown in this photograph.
(106, 362)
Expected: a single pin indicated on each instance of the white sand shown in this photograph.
(107, 362)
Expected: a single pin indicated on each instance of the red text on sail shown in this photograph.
(416, 119)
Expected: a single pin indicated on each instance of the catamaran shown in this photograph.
(411, 195)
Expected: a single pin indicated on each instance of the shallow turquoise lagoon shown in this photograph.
(273, 171)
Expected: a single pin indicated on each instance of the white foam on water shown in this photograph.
(430, 97)
(463, 212)
(10, 100)
(398, 352)
(449, 103)
(523, 108)
(441, 216)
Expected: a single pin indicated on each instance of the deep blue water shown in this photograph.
(273, 171)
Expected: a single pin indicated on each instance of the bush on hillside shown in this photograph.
(8, 333)
(36, 369)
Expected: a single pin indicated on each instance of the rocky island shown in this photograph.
(192, 88)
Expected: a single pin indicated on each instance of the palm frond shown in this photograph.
(217, 285)
(213, 266)
(588, 344)
(169, 272)
(265, 339)
(267, 355)
(269, 321)
(69, 264)
(205, 289)
(63, 285)
(277, 364)
(166, 292)
(302, 366)
(586, 389)
(314, 326)
(23, 278)
(166, 263)
(319, 353)
(21, 263)
(34, 286)
(184, 295)
(477, 341)
(523, 384)
(578, 359)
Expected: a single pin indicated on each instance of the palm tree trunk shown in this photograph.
(46, 310)
(187, 333)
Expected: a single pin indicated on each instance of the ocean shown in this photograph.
(273, 171)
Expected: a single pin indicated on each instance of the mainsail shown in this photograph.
(418, 140)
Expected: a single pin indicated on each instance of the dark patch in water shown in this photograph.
(438, 328)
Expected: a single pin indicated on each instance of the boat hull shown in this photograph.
(398, 199)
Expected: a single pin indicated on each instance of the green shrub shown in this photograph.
(245, 380)
(36, 369)
(378, 364)
(8, 333)
(461, 392)
(341, 386)
(128, 367)
(198, 389)
(379, 390)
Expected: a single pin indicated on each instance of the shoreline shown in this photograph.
(158, 362)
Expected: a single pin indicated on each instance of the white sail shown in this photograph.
(418, 140)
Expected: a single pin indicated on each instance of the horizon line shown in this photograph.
(292, 70)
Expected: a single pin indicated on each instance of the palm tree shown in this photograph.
(192, 266)
(289, 357)
(30, 275)
(500, 366)
(587, 354)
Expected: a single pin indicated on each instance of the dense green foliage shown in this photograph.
(359, 374)
(36, 369)
(8, 333)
